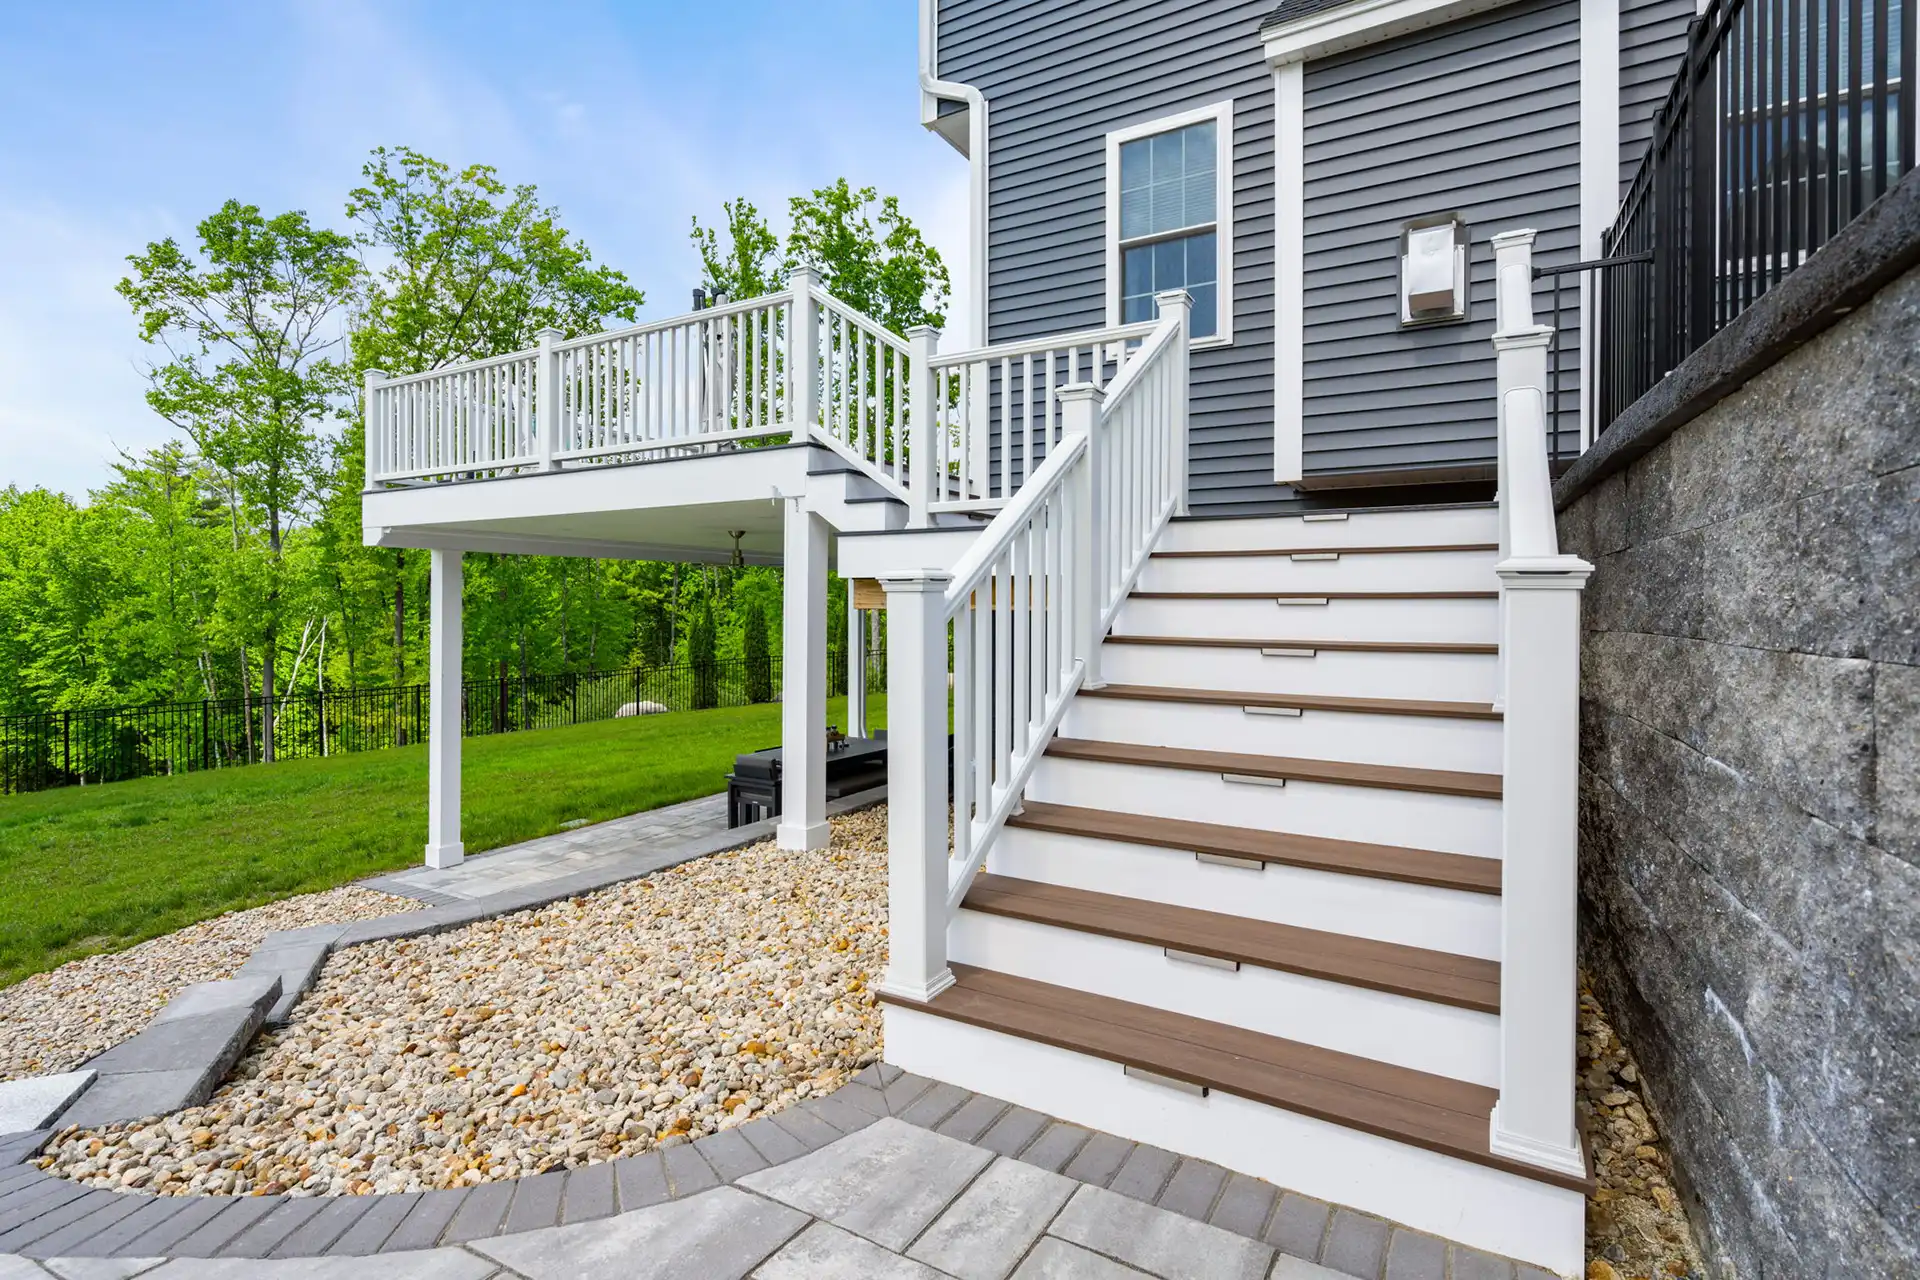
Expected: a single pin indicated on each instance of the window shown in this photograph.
(1169, 219)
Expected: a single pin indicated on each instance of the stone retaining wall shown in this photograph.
(1750, 793)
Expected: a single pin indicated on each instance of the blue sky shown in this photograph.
(124, 123)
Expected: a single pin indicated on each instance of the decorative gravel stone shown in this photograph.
(55, 1021)
(639, 1016)
(1636, 1225)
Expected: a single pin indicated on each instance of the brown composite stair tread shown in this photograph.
(1465, 982)
(1343, 646)
(1349, 857)
(1327, 551)
(1423, 1110)
(1303, 701)
(1390, 777)
(1315, 595)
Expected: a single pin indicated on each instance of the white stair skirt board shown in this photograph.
(1359, 529)
(1390, 571)
(1420, 742)
(1479, 1207)
(1444, 677)
(1416, 820)
(1263, 617)
(1418, 1034)
(1414, 915)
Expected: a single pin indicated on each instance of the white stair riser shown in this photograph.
(1359, 529)
(1482, 1208)
(1260, 618)
(1442, 677)
(1421, 742)
(1402, 571)
(1417, 820)
(1414, 915)
(1462, 1044)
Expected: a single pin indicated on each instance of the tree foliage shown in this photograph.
(758, 658)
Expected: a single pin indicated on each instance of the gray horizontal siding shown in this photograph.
(1480, 116)
(1057, 76)
(1653, 43)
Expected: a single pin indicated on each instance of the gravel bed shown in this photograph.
(56, 1020)
(638, 1016)
(1637, 1228)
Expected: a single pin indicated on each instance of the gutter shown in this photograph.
(933, 91)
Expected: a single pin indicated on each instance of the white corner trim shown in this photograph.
(1222, 114)
(1360, 23)
(932, 89)
(1289, 271)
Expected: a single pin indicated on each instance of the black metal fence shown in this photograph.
(109, 744)
(1787, 119)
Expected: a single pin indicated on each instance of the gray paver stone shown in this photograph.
(810, 1129)
(372, 1228)
(480, 1214)
(1243, 1206)
(33, 1203)
(731, 1155)
(139, 1094)
(15, 1268)
(775, 1144)
(935, 1105)
(1287, 1267)
(80, 1233)
(422, 1226)
(1524, 1272)
(1057, 1145)
(589, 1194)
(975, 1116)
(642, 1181)
(536, 1202)
(717, 1235)
(886, 1182)
(994, 1222)
(1471, 1264)
(100, 1268)
(1157, 1240)
(1356, 1244)
(1412, 1256)
(55, 1218)
(211, 1236)
(1145, 1173)
(1299, 1225)
(323, 1228)
(258, 1240)
(432, 1264)
(822, 1251)
(846, 1110)
(1099, 1159)
(1192, 1188)
(687, 1172)
(187, 1214)
(152, 1212)
(1053, 1259)
(1012, 1132)
(30, 1105)
(904, 1090)
(228, 995)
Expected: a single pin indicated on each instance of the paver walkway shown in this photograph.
(891, 1177)
(533, 862)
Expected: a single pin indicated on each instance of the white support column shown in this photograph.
(803, 691)
(1080, 404)
(803, 355)
(1178, 302)
(547, 393)
(856, 667)
(923, 420)
(445, 637)
(917, 831)
(374, 438)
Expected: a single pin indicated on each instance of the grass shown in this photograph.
(91, 869)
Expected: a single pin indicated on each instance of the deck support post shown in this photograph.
(917, 832)
(1080, 404)
(924, 482)
(856, 666)
(444, 640)
(803, 683)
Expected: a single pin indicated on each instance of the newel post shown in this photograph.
(1178, 304)
(803, 355)
(1514, 330)
(1080, 404)
(375, 436)
(547, 391)
(924, 420)
(917, 831)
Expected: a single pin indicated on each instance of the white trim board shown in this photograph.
(1221, 113)
(1362, 23)
(1289, 270)
(932, 91)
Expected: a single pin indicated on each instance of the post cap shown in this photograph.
(915, 580)
(1081, 391)
(549, 331)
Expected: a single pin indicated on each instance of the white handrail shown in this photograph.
(865, 392)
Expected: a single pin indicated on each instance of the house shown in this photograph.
(1230, 555)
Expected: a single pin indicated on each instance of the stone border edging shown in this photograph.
(1867, 254)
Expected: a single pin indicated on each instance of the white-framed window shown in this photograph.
(1170, 218)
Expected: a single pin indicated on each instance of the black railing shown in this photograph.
(1787, 119)
(109, 744)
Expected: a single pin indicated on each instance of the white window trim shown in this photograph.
(1221, 113)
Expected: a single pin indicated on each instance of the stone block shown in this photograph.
(1012, 1132)
(372, 1228)
(1144, 1173)
(176, 1218)
(994, 1222)
(237, 1213)
(431, 1264)
(1243, 1206)
(721, 1234)
(52, 1216)
(730, 1155)
(774, 1144)
(822, 1250)
(935, 1105)
(425, 1220)
(197, 1043)
(1156, 1240)
(536, 1202)
(975, 1116)
(81, 1233)
(886, 1182)
(1896, 719)
(36, 1102)
(258, 1240)
(642, 1181)
(1054, 1259)
(255, 993)
(687, 1173)
(94, 1268)
(1356, 1244)
(1413, 1256)
(589, 1194)
(338, 1215)
(133, 1096)
(1471, 1264)
(811, 1131)
(1192, 1188)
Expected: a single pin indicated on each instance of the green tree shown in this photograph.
(744, 264)
(704, 659)
(870, 257)
(758, 660)
(249, 327)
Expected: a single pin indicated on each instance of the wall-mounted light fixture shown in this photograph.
(1433, 270)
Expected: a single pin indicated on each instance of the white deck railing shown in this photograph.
(1027, 608)
(1539, 689)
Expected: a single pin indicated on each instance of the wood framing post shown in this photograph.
(445, 637)
(856, 665)
(1080, 404)
(803, 683)
(917, 831)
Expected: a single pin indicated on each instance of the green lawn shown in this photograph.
(87, 869)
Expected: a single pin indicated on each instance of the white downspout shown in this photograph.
(931, 89)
